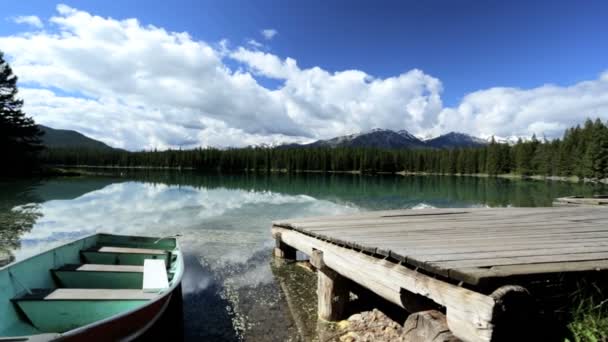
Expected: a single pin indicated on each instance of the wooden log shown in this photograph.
(515, 315)
(469, 313)
(283, 250)
(427, 326)
(332, 290)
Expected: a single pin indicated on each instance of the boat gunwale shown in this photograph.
(15, 262)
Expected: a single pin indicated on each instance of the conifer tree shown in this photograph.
(19, 135)
(493, 158)
(595, 158)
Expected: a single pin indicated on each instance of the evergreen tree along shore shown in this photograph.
(19, 135)
(582, 153)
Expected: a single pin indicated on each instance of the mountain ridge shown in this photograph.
(374, 138)
(389, 139)
(456, 140)
(64, 138)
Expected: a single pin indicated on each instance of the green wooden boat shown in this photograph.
(99, 288)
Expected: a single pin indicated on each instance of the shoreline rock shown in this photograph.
(367, 326)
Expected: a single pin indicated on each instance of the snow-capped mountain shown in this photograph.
(510, 140)
(455, 140)
(379, 138)
(386, 138)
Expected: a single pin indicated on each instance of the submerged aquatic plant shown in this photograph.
(589, 313)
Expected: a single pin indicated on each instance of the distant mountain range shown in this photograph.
(456, 140)
(63, 138)
(378, 138)
(389, 139)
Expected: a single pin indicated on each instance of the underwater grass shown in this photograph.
(589, 314)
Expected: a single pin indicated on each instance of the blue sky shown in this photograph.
(468, 46)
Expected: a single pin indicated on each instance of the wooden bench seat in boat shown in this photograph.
(155, 276)
(100, 276)
(98, 294)
(52, 310)
(152, 277)
(86, 294)
(31, 338)
(100, 268)
(122, 255)
(107, 249)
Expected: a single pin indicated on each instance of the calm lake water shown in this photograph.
(231, 291)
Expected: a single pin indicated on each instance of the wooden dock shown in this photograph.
(469, 261)
(579, 201)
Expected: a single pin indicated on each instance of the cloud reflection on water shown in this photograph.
(222, 217)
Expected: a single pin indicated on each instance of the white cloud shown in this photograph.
(348, 101)
(266, 64)
(139, 76)
(255, 44)
(139, 86)
(545, 110)
(136, 128)
(269, 33)
(29, 20)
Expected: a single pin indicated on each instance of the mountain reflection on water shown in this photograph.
(229, 288)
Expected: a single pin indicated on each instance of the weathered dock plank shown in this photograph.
(424, 215)
(521, 260)
(577, 201)
(476, 273)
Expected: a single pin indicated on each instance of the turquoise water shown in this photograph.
(229, 288)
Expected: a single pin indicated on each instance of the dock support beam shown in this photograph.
(332, 290)
(283, 250)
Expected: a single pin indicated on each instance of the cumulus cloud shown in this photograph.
(255, 44)
(142, 82)
(140, 86)
(268, 34)
(547, 110)
(29, 20)
(350, 100)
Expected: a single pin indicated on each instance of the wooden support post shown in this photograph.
(283, 250)
(332, 290)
